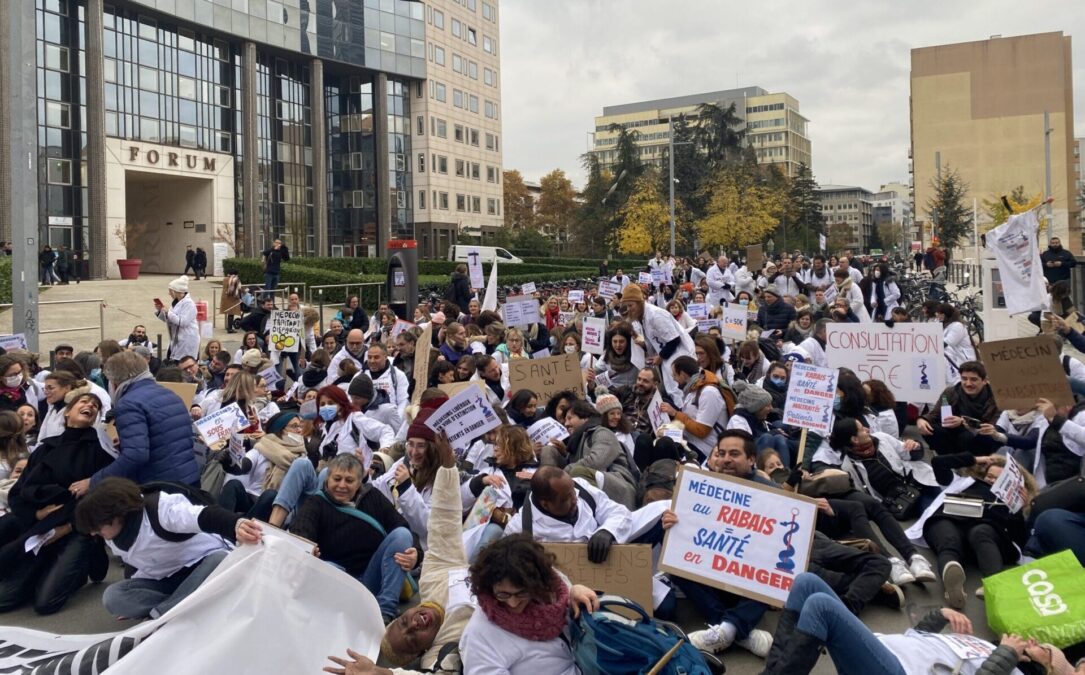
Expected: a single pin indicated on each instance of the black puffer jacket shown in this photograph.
(459, 292)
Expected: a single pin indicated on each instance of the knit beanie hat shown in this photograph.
(251, 358)
(279, 421)
(418, 428)
(312, 377)
(633, 293)
(771, 289)
(180, 284)
(606, 403)
(361, 386)
(753, 399)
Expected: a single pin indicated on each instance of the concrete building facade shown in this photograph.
(850, 206)
(774, 127)
(978, 108)
(893, 205)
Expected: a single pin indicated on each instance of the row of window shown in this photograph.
(464, 168)
(765, 108)
(464, 203)
(461, 133)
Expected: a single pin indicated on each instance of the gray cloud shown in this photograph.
(848, 66)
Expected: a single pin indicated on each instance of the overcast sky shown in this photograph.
(846, 63)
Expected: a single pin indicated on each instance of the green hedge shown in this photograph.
(5, 279)
(593, 263)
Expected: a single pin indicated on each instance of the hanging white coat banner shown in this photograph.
(1017, 253)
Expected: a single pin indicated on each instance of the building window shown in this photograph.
(59, 171)
(475, 171)
(438, 19)
(489, 45)
(461, 202)
(472, 70)
(491, 110)
(58, 114)
(491, 142)
(441, 92)
(487, 12)
(421, 162)
(488, 76)
(457, 133)
(444, 200)
(474, 137)
(491, 205)
(472, 37)
(422, 200)
(476, 205)
(471, 5)
(439, 55)
(491, 174)
(420, 125)
(442, 164)
(473, 103)
(457, 28)
(442, 128)
(457, 98)
(457, 63)
(56, 57)
(460, 168)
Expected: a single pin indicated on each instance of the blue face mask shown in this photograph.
(329, 412)
(777, 381)
(836, 403)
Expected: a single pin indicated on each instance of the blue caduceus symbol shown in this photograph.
(785, 563)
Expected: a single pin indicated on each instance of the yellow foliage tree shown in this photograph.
(741, 210)
(1019, 200)
(645, 219)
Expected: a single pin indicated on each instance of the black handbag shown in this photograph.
(903, 502)
(1067, 494)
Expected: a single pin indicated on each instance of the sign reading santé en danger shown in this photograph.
(548, 376)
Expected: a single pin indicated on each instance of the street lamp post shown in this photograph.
(1047, 174)
(671, 182)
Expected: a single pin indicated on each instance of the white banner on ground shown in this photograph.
(733, 323)
(810, 395)
(546, 430)
(474, 269)
(464, 417)
(217, 427)
(595, 331)
(235, 600)
(909, 357)
(1017, 253)
(521, 311)
(738, 536)
(285, 327)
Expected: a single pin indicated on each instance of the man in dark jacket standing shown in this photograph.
(190, 260)
(273, 258)
(774, 314)
(459, 291)
(200, 263)
(1057, 261)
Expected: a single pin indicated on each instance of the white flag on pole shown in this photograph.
(490, 302)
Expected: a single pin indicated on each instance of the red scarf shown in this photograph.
(538, 622)
(552, 317)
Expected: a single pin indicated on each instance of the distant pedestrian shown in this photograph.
(63, 261)
(45, 265)
(604, 270)
(918, 259)
(274, 257)
(190, 260)
(459, 288)
(200, 263)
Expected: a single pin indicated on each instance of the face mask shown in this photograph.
(297, 439)
(777, 381)
(328, 412)
(570, 349)
(744, 302)
(13, 381)
(836, 403)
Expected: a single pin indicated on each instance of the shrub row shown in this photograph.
(5, 279)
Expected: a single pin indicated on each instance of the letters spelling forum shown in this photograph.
(727, 542)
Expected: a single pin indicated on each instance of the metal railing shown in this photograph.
(319, 300)
(964, 274)
(101, 316)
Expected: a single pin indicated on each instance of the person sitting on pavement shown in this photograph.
(973, 404)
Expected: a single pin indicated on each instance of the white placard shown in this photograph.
(821, 242)
(566, 318)
(542, 354)
(546, 430)
(909, 357)
(271, 377)
(602, 379)
(237, 448)
(697, 310)
(16, 341)
(217, 427)
(810, 395)
(644, 278)
(593, 340)
(521, 311)
(656, 416)
(220, 252)
(608, 289)
(1010, 486)
(474, 269)
(576, 296)
(636, 355)
(1017, 254)
(285, 327)
(464, 417)
(400, 326)
(528, 288)
(738, 536)
(965, 647)
(947, 412)
(733, 322)
(657, 277)
(705, 325)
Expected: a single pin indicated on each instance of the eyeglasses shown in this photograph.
(519, 595)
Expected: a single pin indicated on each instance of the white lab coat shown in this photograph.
(608, 515)
(958, 349)
(183, 330)
(720, 283)
(658, 328)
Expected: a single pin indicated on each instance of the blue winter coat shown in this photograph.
(156, 437)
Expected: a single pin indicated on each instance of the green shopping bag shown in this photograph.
(1044, 599)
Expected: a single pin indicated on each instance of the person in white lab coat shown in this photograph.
(180, 321)
(663, 337)
(721, 281)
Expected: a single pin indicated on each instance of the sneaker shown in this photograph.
(979, 593)
(714, 638)
(899, 573)
(890, 595)
(921, 569)
(953, 581)
(758, 642)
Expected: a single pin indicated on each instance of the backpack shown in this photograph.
(152, 490)
(660, 474)
(769, 349)
(606, 643)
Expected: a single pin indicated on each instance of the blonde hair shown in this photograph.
(242, 387)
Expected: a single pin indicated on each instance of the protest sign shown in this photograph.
(474, 269)
(821, 242)
(733, 323)
(16, 341)
(697, 310)
(608, 289)
(464, 417)
(656, 416)
(595, 331)
(456, 387)
(528, 288)
(400, 326)
(271, 377)
(644, 278)
(1017, 254)
(546, 430)
(543, 353)
(755, 258)
(217, 427)
(738, 535)
(627, 571)
(236, 448)
(657, 277)
(810, 395)
(705, 325)
(1010, 486)
(909, 357)
(285, 327)
(184, 390)
(602, 379)
(1025, 369)
(521, 311)
(575, 297)
(566, 318)
(547, 376)
(636, 355)
(422, 349)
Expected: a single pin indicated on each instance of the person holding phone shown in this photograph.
(180, 320)
(971, 404)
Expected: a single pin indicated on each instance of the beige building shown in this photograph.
(774, 127)
(851, 206)
(456, 142)
(978, 108)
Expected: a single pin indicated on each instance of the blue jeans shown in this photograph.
(720, 606)
(853, 648)
(491, 533)
(1059, 529)
(271, 281)
(300, 480)
(140, 598)
(383, 576)
(770, 441)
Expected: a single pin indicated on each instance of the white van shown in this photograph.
(487, 253)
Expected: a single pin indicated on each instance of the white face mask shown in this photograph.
(13, 381)
(570, 349)
(295, 438)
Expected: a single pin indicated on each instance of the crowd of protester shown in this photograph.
(99, 460)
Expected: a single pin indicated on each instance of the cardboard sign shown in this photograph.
(810, 395)
(627, 571)
(593, 341)
(697, 310)
(1025, 369)
(184, 390)
(216, 428)
(656, 416)
(474, 269)
(644, 278)
(547, 376)
(909, 357)
(608, 289)
(576, 296)
(15, 341)
(734, 321)
(755, 258)
(464, 417)
(285, 326)
(528, 288)
(738, 535)
(546, 430)
(422, 349)
(1010, 486)
(520, 311)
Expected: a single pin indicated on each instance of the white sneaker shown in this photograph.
(714, 638)
(979, 593)
(953, 581)
(758, 642)
(921, 569)
(898, 573)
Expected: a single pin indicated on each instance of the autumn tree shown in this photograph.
(947, 210)
(1019, 201)
(557, 202)
(805, 221)
(519, 206)
(742, 209)
(838, 236)
(645, 219)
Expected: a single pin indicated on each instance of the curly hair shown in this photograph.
(516, 442)
(113, 498)
(518, 559)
